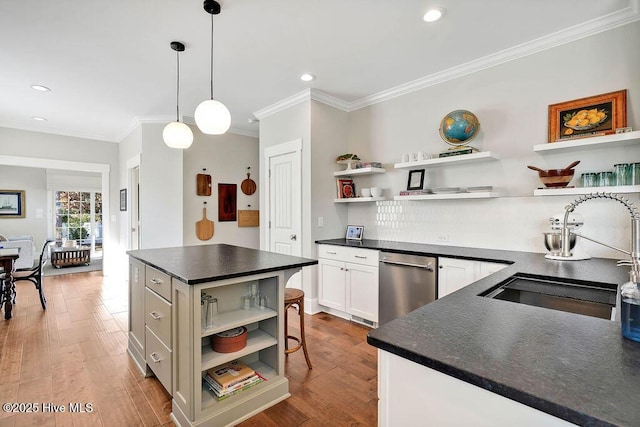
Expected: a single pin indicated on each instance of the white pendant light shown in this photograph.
(212, 117)
(177, 134)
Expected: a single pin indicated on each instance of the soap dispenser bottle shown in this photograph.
(630, 310)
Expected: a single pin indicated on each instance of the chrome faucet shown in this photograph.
(634, 253)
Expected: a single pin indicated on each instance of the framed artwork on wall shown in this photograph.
(123, 199)
(12, 204)
(592, 116)
(227, 202)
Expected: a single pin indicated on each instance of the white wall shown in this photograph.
(226, 158)
(34, 183)
(511, 103)
(161, 176)
(288, 125)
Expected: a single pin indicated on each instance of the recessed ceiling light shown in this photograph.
(433, 15)
(40, 88)
(40, 119)
(306, 77)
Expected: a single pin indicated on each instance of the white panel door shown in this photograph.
(285, 208)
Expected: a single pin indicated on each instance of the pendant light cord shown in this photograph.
(177, 86)
(211, 75)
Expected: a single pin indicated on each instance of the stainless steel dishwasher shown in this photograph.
(407, 282)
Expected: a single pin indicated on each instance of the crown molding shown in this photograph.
(305, 95)
(330, 100)
(586, 29)
(53, 131)
(139, 120)
(299, 97)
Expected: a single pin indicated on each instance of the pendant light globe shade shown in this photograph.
(177, 135)
(212, 117)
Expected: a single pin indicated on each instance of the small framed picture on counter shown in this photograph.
(355, 232)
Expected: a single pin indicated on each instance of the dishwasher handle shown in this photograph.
(427, 267)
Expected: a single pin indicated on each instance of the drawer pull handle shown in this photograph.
(155, 315)
(155, 358)
(332, 253)
(156, 281)
(360, 256)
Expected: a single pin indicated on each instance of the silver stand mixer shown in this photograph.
(553, 239)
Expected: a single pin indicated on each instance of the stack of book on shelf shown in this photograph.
(231, 378)
(346, 188)
(414, 192)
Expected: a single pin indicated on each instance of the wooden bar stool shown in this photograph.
(295, 297)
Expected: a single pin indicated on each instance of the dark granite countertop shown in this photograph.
(575, 367)
(206, 263)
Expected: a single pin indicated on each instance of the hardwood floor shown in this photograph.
(75, 352)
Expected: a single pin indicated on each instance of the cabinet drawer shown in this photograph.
(158, 316)
(347, 254)
(158, 358)
(158, 281)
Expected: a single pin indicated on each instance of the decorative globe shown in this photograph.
(177, 135)
(459, 127)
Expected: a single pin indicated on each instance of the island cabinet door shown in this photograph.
(412, 395)
(136, 312)
(332, 284)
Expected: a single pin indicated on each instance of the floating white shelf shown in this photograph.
(586, 190)
(443, 196)
(358, 200)
(360, 171)
(614, 140)
(459, 159)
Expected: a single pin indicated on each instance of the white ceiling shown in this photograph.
(109, 62)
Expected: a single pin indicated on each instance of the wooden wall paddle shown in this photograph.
(248, 186)
(204, 227)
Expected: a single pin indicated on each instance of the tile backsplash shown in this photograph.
(511, 223)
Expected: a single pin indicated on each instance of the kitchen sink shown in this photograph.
(590, 299)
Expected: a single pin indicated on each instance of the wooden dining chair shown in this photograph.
(35, 273)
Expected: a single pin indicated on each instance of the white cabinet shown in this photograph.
(454, 274)
(410, 394)
(348, 281)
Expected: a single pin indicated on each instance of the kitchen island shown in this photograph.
(168, 338)
(574, 368)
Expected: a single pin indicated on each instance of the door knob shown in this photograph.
(292, 237)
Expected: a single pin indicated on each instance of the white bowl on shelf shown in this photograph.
(365, 192)
(376, 191)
